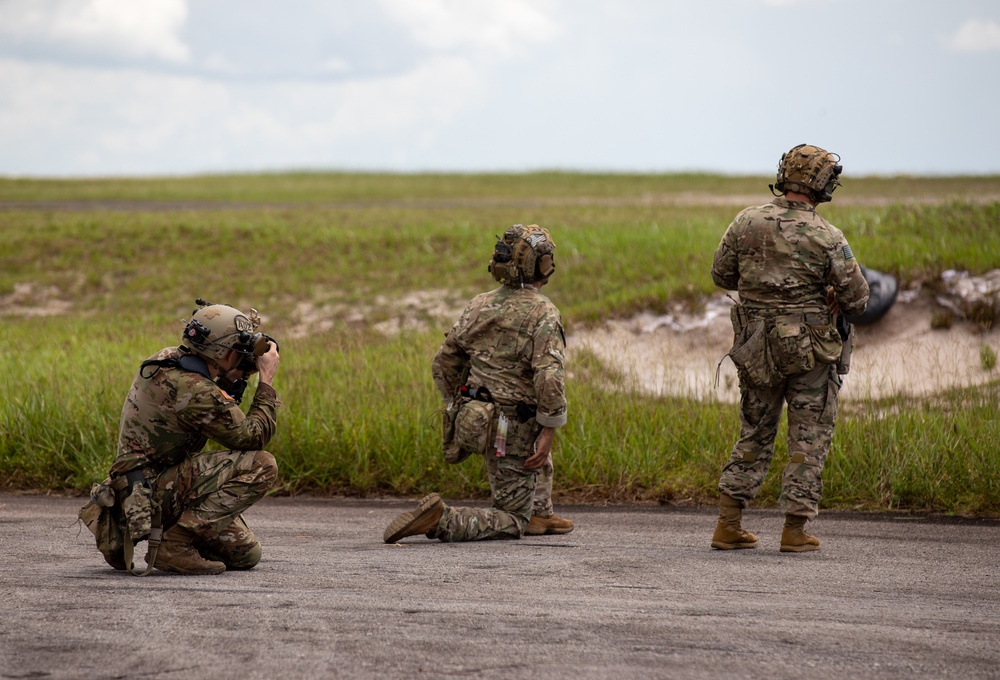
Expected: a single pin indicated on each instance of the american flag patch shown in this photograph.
(848, 254)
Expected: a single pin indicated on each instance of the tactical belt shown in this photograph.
(521, 412)
(810, 316)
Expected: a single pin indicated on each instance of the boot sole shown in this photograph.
(191, 572)
(546, 531)
(798, 548)
(718, 545)
(402, 526)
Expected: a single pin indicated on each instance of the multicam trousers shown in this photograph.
(812, 411)
(208, 492)
(513, 487)
(542, 503)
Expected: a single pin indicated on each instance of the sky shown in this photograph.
(178, 87)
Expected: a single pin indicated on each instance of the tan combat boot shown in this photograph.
(553, 524)
(794, 537)
(178, 554)
(423, 520)
(729, 535)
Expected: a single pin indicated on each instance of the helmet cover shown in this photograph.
(809, 170)
(523, 255)
(215, 330)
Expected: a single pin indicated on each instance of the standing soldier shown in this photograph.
(500, 371)
(161, 479)
(795, 274)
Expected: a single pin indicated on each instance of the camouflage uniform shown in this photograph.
(166, 421)
(511, 341)
(542, 501)
(782, 257)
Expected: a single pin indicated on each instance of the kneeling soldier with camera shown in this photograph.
(162, 487)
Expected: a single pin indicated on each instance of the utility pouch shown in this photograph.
(473, 427)
(826, 343)
(138, 510)
(101, 517)
(738, 316)
(751, 353)
(452, 451)
(844, 361)
(791, 345)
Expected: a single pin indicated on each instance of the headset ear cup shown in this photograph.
(528, 266)
(546, 265)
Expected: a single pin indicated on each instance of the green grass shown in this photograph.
(341, 254)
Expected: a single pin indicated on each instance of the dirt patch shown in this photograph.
(31, 300)
(678, 354)
(415, 311)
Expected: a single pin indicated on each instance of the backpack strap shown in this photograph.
(187, 362)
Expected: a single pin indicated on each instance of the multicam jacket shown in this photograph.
(783, 255)
(175, 412)
(511, 341)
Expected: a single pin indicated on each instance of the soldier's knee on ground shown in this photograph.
(245, 557)
(236, 546)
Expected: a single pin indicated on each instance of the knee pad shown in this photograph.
(246, 559)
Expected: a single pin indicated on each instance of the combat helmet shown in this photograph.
(523, 255)
(214, 330)
(808, 170)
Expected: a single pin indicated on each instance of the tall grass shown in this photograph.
(360, 414)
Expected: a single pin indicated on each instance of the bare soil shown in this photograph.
(679, 354)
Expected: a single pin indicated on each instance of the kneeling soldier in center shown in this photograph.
(500, 371)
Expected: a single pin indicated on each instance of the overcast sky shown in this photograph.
(151, 87)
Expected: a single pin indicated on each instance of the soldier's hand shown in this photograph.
(543, 447)
(831, 300)
(267, 364)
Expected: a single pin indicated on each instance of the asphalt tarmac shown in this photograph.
(631, 593)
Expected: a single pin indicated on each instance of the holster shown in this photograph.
(844, 363)
(142, 517)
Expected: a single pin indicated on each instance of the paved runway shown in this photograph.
(631, 593)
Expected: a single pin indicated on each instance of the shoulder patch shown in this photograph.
(848, 253)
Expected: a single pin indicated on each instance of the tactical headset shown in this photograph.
(809, 170)
(523, 255)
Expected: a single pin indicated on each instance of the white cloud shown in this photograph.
(184, 124)
(977, 35)
(490, 25)
(122, 28)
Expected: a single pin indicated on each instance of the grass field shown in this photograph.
(358, 276)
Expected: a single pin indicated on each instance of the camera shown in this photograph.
(251, 347)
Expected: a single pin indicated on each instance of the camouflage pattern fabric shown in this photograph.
(167, 420)
(511, 341)
(782, 257)
(812, 411)
(235, 546)
(175, 412)
(513, 489)
(208, 490)
(138, 510)
(542, 502)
